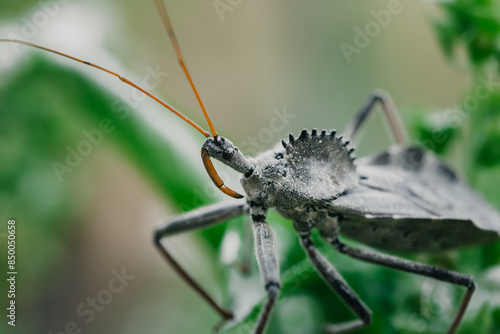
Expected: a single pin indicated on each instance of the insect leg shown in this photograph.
(389, 110)
(416, 268)
(195, 219)
(265, 248)
(337, 283)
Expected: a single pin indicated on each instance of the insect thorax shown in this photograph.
(303, 176)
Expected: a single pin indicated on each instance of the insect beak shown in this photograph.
(209, 166)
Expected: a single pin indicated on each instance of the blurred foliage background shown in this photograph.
(251, 63)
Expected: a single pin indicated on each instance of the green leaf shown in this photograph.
(447, 37)
(44, 110)
(435, 131)
(475, 25)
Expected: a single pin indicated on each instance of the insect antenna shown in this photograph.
(166, 21)
(125, 80)
(175, 43)
(205, 156)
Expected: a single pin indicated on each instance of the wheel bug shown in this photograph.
(405, 161)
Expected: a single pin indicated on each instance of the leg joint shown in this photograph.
(273, 288)
(379, 95)
(339, 246)
(258, 218)
(366, 317)
(157, 235)
(306, 240)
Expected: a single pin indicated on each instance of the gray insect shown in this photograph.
(402, 200)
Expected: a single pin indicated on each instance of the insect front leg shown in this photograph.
(389, 111)
(200, 218)
(340, 286)
(265, 249)
(416, 268)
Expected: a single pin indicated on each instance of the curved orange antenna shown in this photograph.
(209, 166)
(204, 154)
(178, 113)
(175, 43)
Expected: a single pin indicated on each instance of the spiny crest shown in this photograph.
(319, 165)
(315, 138)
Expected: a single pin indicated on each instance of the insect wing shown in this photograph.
(408, 200)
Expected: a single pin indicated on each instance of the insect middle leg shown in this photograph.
(415, 268)
(340, 286)
(204, 217)
(265, 249)
(389, 111)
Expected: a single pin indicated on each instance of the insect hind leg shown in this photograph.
(337, 283)
(200, 218)
(390, 112)
(415, 268)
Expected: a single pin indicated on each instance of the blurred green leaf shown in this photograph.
(44, 109)
(485, 134)
(434, 131)
(446, 36)
(474, 24)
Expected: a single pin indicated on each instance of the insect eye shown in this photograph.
(227, 154)
(278, 156)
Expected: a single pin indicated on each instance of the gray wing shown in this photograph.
(408, 200)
